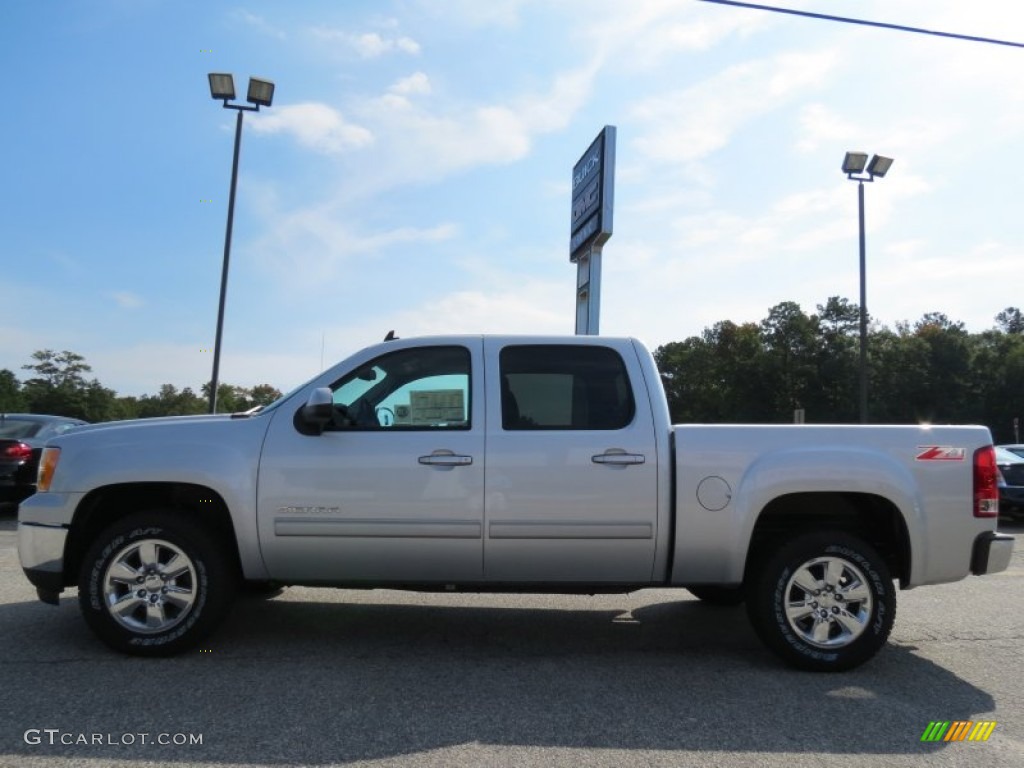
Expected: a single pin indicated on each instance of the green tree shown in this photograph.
(263, 394)
(59, 369)
(58, 387)
(838, 362)
(169, 401)
(792, 346)
(11, 399)
(1011, 320)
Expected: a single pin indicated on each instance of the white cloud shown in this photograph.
(258, 23)
(368, 45)
(692, 123)
(314, 247)
(425, 143)
(478, 13)
(416, 83)
(820, 125)
(531, 307)
(316, 126)
(642, 34)
(126, 299)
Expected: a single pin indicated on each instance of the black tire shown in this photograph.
(834, 623)
(713, 594)
(186, 591)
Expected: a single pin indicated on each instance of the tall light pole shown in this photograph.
(854, 167)
(260, 94)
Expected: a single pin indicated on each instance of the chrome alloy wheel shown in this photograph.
(149, 586)
(828, 602)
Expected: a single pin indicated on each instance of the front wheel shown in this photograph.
(823, 602)
(155, 584)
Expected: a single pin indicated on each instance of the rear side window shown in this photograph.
(556, 386)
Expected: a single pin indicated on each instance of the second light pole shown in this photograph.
(854, 167)
(260, 94)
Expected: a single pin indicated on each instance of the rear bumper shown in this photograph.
(992, 552)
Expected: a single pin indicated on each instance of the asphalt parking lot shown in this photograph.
(336, 677)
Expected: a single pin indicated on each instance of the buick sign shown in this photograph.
(593, 186)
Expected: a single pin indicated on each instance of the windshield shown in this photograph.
(1003, 456)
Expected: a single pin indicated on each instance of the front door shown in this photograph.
(392, 490)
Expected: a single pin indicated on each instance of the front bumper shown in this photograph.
(41, 551)
(992, 552)
(42, 534)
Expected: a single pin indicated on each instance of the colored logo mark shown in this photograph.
(958, 730)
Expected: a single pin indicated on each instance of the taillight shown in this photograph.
(986, 483)
(17, 452)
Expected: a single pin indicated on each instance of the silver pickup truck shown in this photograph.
(518, 464)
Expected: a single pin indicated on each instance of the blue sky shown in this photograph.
(414, 172)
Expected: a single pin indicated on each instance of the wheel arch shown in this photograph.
(105, 505)
(871, 517)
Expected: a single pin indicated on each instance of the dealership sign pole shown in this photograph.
(593, 188)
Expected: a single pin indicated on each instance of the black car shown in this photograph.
(22, 437)
(1011, 483)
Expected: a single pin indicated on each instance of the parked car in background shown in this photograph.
(1011, 481)
(22, 437)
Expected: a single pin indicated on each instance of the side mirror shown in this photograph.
(318, 410)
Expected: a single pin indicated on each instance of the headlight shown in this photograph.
(47, 466)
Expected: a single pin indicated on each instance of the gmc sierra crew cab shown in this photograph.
(516, 464)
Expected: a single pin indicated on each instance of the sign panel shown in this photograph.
(593, 187)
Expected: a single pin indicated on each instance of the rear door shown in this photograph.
(571, 477)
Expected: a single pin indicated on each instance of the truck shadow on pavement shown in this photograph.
(294, 681)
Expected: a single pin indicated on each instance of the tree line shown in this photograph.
(59, 387)
(930, 371)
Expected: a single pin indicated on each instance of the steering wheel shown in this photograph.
(362, 414)
(385, 416)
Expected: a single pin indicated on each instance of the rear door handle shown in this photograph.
(445, 458)
(618, 457)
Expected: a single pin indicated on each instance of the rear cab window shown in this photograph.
(564, 387)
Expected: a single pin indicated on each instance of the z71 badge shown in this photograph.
(940, 453)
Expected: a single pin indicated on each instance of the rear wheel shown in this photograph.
(823, 602)
(155, 584)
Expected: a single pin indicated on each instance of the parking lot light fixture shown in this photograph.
(879, 166)
(854, 165)
(260, 94)
(222, 86)
(854, 162)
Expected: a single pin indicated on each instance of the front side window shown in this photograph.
(422, 388)
(556, 386)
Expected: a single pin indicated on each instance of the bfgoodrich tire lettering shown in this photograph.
(823, 602)
(155, 584)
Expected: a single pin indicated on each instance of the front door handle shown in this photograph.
(445, 458)
(618, 457)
